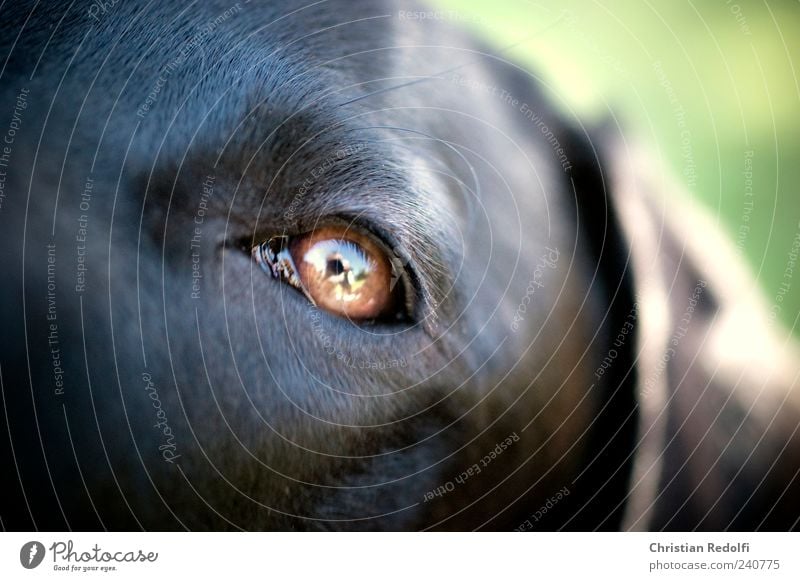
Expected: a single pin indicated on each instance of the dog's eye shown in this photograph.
(338, 269)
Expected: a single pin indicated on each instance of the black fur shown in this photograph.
(283, 417)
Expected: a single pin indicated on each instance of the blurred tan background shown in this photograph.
(713, 86)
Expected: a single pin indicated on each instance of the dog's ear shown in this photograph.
(714, 376)
(602, 488)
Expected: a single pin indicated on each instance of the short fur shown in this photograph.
(282, 417)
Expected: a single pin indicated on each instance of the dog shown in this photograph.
(341, 266)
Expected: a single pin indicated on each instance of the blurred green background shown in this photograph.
(733, 68)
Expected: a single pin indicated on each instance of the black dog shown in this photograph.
(276, 265)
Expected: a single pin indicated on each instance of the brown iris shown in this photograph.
(339, 269)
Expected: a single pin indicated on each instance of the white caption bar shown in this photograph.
(388, 556)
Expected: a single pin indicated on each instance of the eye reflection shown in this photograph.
(338, 269)
(341, 268)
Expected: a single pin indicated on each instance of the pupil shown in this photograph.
(335, 266)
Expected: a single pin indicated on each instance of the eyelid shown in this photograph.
(274, 258)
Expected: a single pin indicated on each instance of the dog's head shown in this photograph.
(279, 265)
